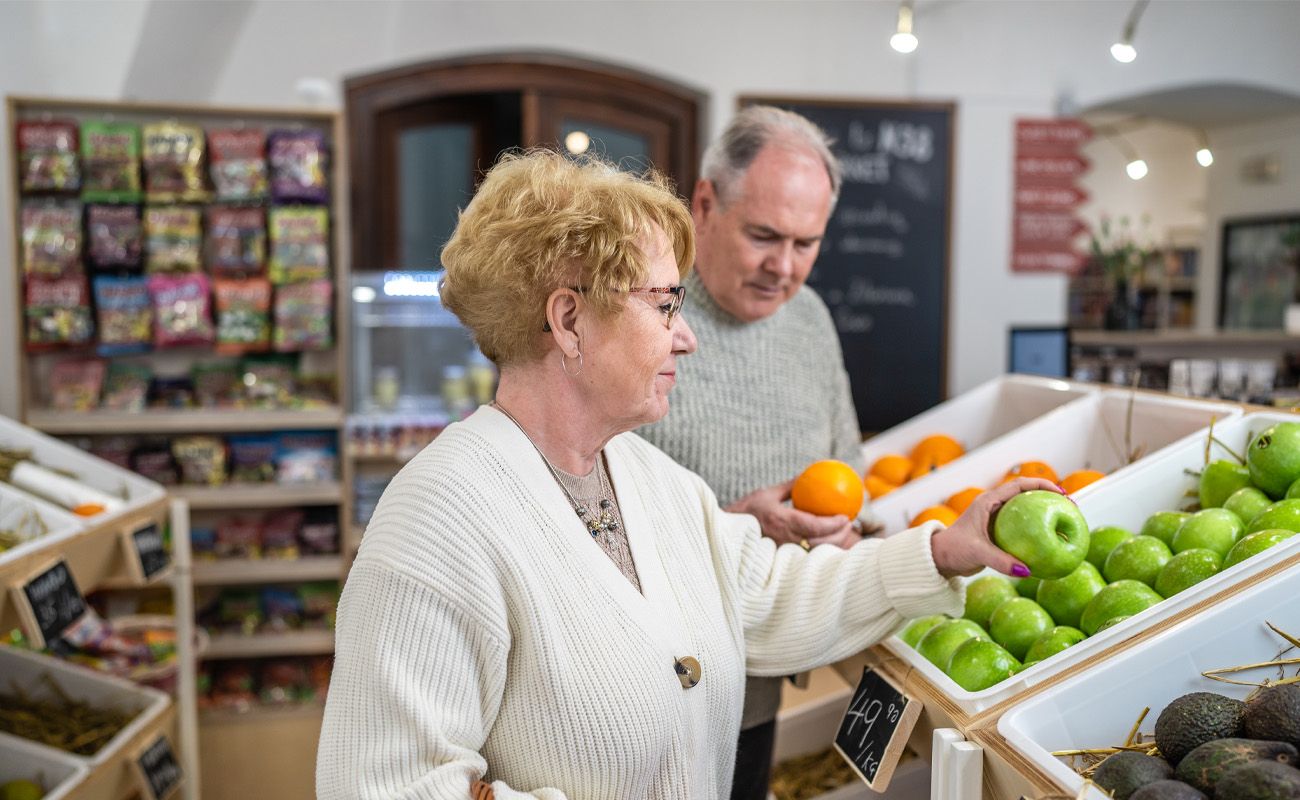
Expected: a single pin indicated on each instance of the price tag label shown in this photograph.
(48, 602)
(158, 770)
(875, 728)
(147, 551)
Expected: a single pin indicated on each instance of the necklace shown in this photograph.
(597, 523)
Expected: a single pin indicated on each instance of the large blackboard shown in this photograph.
(883, 267)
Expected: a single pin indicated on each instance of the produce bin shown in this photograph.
(56, 772)
(17, 508)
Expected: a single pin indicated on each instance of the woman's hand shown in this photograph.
(786, 525)
(965, 548)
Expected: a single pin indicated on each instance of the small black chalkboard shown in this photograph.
(159, 769)
(54, 602)
(875, 728)
(147, 544)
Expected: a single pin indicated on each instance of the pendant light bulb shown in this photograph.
(1136, 169)
(1123, 52)
(903, 40)
(1204, 157)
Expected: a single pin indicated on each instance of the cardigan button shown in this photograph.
(688, 671)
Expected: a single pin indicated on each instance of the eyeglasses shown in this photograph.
(669, 308)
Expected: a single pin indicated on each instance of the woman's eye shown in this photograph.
(666, 308)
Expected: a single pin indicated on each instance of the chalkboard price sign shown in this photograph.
(148, 550)
(875, 728)
(159, 771)
(51, 601)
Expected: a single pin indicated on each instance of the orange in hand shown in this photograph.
(827, 488)
(1031, 469)
(877, 487)
(1079, 479)
(962, 500)
(892, 469)
(941, 513)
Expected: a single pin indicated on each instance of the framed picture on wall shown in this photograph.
(1261, 272)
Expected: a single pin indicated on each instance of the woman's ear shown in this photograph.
(562, 320)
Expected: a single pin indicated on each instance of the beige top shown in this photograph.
(588, 491)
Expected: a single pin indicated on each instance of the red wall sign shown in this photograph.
(1047, 164)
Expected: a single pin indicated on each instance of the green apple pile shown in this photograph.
(1082, 582)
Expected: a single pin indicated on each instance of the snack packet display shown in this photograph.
(154, 461)
(47, 156)
(299, 244)
(110, 162)
(232, 686)
(173, 162)
(115, 237)
(216, 383)
(51, 238)
(302, 316)
(203, 543)
(243, 315)
(114, 449)
(202, 459)
(236, 244)
(281, 609)
(125, 315)
(319, 534)
(58, 312)
(240, 610)
(252, 458)
(299, 166)
(181, 305)
(75, 384)
(239, 537)
(172, 391)
(238, 163)
(306, 457)
(173, 239)
(280, 533)
(319, 601)
(269, 381)
(127, 387)
(284, 681)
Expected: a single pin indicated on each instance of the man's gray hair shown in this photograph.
(752, 129)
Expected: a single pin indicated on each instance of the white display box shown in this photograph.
(1097, 708)
(60, 525)
(57, 772)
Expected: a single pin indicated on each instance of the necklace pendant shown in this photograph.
(605, 505)
(580, 510)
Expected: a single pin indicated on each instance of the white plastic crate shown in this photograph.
(1097, 708)
(57, 772)
(16, 504)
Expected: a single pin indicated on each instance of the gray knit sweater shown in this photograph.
(755, 405)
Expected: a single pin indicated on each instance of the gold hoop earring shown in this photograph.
(564, 364)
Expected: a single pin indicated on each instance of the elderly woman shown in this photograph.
(544, 602)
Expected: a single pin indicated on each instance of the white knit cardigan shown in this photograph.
(482, 631)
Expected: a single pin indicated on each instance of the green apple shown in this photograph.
(1065, 598)
(1163, 525)
(1018, 623)
(1187, 568)
(941, 641)
(1122, 598)
(1247, 503)
(1028, 587)
(1112, 622)
(1284, 514)
(1140, 559)
(1045, 530)
(1026, 665)
(1216, 529)
(920, 627)
(1102, 541)
(1219, 480)
(1274, 458)
(984, 595)
(977, 665)
(1255, 543)
(1293, 491)
(1053, 642)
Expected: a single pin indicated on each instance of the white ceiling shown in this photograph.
(1205, 106)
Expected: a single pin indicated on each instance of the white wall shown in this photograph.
(999, 59)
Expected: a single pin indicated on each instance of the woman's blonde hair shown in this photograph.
(541, 221)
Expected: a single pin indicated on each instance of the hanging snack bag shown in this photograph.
(236, 241)
(243, 315)
(299, 166)
(115, 237)
(302, 316)
(47, 156)
(173, 239)
(238, 163)
(252, 458)
(110, 161)
(181, 312)
(202, 459)
(58, 312)
(269, 381)
(299, 244)
(51, 239)
(125, 315)
(127, 387)
(75, 384)
(173, 162)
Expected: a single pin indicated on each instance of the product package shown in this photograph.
(203, 543)
(114, 449)
(238, 163)
(58, 312)
(75, 384)
(319, 534)
(236, 241)
(319, 601)
(125, 315)
(173, 162)
(239, 537)
(299, 166)
(116, 237)
(284, 681)
(216, 384)
(182, 314)
(110, 161)
(299, 244)
(307, 457)
(51, 238)
(154, 461)
(280, 533)
(127, 387)
(302, 316)
(241, 611)
(172, 391)
(281, 609)
(269, 381)
(202, 459)
(243, 315)
(232, 685)
(252, 458)
(47, 156)
(173, 239)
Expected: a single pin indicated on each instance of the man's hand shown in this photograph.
(786, 525)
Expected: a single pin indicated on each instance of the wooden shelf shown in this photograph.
(266, 570)
(183, 420)
(262, 713)
(290, 643)
(1183, 337)
(271, 495)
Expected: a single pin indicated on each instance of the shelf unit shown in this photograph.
(183, 421)
(248, 496)
(289, 643)
(237, 571)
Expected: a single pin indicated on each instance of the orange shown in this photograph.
(962, 500)
(877, 486)
(942, 513)
(937, 450)
(892, 469)
(1031, 469)
(827, 488)
(1079, 479)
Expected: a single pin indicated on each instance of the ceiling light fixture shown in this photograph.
(1123, 51)
(903, 40)
(1135, 167)
(1204, 156)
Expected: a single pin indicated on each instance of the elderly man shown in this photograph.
(767, 393)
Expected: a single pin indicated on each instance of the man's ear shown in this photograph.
(562, 317)
(704, 201)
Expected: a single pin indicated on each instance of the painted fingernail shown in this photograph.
(1020, 570)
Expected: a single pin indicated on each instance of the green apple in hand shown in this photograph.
(1273, 458)
(1045, 530)
(1053, 641)
(1284, 514)
(1140, 559)
(1122, 598)
(1187, 569)
(1102, 541)
(917, 628)
(1065, 598)
(984, 595)
(1028, 587)
(1216, 529)
(1219, 480)
(1163, 525)
(1255, 543)
(1017, 623)
(1247, 503)
(977, 665)
(941, 641)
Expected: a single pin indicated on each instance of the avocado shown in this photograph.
(1194, 719)
(1204, 766)
(1274, 714)
(1168, 790)
(1259, 780)
(1125, 772)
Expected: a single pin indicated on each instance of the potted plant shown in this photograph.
(1121, 257)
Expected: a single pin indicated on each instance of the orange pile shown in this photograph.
(955, 506)
(893, 470)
